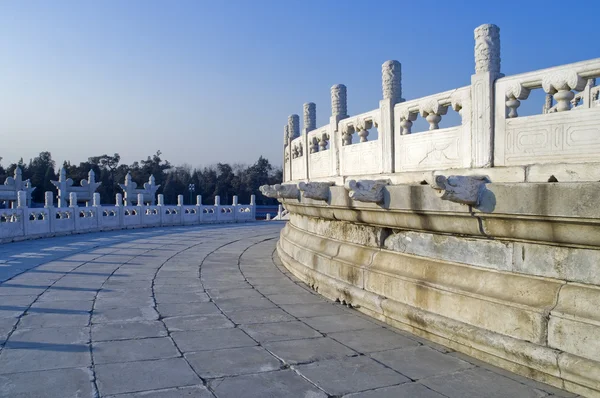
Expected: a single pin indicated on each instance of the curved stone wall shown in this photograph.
(518, 288)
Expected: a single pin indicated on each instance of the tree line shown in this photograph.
(220, 179)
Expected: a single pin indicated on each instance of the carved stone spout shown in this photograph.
(315, 190)
(460, 189)
(366, 190)
(287, 191)
(268, 190)
(279, 191)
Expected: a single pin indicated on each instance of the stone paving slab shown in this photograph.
(205, 311)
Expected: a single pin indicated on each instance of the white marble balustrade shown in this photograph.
(23, 222)
(490, 133)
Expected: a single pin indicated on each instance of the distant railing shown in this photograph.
(23, 222)
(490, 132)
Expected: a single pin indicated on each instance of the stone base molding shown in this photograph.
(494, 302)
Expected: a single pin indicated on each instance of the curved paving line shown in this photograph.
(161, 318)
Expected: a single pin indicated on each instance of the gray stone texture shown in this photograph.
(130, 311)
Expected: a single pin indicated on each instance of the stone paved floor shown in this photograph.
(202, 312)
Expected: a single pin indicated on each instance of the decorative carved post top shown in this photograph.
(487, 48)
(252, 200)
(198, 200)
(339, 106)
(62, 174)
(217, 200)
(235, 200)
(128, 180)
(294, 126)
(161, 199)
(21, 199)
(96, 199)
(73, 199)
(391, 81)
(179, 200)
(310, 116)
(286, 135)
(48, 199)
(119, 199)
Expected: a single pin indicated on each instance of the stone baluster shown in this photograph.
(21, 199)
(487, 70)
(48, 199)
(217, 200)
(73, 199)
(96, 199)
(161, 199)
(514, 93)
(198, 200)
(179, 200)
(347, 135)
(559, 85)
(119, 199)
(314, 144)
(406, 121)
(310, 117)
(432, 111)
(235, 200)
(323, 141)
(140, 199)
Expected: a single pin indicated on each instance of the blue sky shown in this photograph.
(210, 81)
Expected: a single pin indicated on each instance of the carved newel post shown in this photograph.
(294, 126)
(235, 200)
(140, 199)
(179, 200)
(198, 200)
(73, 199)
(391, 85)
(339, 111)
(96, 199)
(217, 200)
(21, 199)
(339, 106)
(487, 70)
(48, 199)
(119, 200)
(161, 199)
(391, 81)
(310, 117)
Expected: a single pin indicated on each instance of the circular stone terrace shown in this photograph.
(200, 312)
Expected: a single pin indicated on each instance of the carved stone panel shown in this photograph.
(320, 164)
(363, 158)
(556, 137)
(430, 150)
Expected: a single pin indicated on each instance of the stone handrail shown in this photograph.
(489, 137)
(23, 222)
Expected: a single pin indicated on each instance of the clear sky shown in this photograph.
(209, 81)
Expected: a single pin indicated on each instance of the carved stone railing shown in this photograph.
(23, 222)
(490, 133)
(437, 148)
(558, 134)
